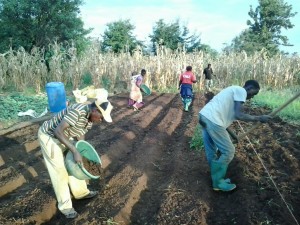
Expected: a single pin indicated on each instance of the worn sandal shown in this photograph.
(70, 213)
(90, 195)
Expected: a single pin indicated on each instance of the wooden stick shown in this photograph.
(271, 114)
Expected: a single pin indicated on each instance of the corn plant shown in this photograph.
(23, 69)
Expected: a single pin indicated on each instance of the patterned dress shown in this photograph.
(136, 97)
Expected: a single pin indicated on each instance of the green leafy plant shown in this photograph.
(11, 105)
(110, 221)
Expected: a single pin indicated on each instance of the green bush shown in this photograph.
(87, 79)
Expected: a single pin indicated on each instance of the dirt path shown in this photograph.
(152, 176)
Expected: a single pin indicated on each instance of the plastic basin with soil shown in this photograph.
(91, 168)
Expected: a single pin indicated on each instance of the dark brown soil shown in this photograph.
(151, 176)
(93, 168)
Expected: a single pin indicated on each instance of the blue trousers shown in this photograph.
(217, 143)
(186, 91)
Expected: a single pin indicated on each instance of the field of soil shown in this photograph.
(151, 176)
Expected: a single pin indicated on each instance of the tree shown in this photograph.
(207, 49)
(118, 37)
(173, 35)
(268, 19)
(249, 42)
(29, 23)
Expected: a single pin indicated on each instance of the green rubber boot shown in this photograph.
(218, 171)
(186, 107)
(187, 104)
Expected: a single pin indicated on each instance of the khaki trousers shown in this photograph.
(62, 183)
(208, 84)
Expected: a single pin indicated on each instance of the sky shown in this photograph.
(216, 21)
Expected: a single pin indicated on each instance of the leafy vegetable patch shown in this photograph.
(12, 104)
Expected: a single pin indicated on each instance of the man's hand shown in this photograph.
(264, 118)
(77, 157)
(233, 135)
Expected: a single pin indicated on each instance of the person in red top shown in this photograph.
(185, 85)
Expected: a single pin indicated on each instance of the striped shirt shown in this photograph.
(76, 116)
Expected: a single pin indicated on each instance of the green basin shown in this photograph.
(87, 151)
(145, 89)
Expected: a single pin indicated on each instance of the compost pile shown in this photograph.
(151, 176)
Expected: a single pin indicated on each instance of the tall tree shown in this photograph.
(118, 37)
(250, 42)
(209, 50)
(264, 31)
(173, 35)
(30, 23)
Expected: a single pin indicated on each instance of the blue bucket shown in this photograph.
(56, 96)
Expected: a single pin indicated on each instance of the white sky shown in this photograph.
(217, 21)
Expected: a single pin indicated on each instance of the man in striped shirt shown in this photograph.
(56, 135)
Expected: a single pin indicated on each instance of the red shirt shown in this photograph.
(187, 77)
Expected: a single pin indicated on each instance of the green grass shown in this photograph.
(197, 141)
(171, 89)
(274, 99)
